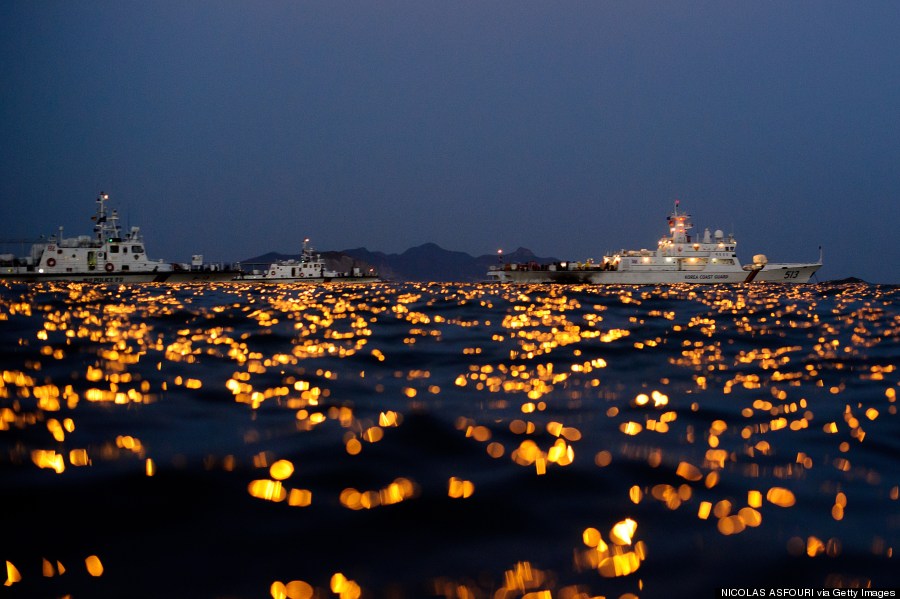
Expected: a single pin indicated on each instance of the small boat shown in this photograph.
(678, 258)
(309, 268)
(106, 256)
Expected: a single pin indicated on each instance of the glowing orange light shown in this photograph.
(781, 497)
(622, 532)
(12, 574)
(94, 566)
(281, 470)
(704, 510)
(689, 472)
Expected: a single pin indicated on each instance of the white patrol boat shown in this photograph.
(310, 268)
(107, 256)
(678, 258)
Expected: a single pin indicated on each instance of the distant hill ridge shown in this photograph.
(424, 263)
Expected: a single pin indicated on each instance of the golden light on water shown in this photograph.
(592, 538)
(603, 458)
(635, 494)
(621, 558)
(12, 574)
(523, 577)
(299, 497)
(49, 459)
(631, 428)
(270, 490)
(295, 589)
(750, 516)
(689, 472)
(704, 510)
(353, 446)
(781, 497)
(281, 470)
(345, 588)
(94, 565)
(754, 498)
(748, 409)
(459, 488)
(622, 532)
(399, 490)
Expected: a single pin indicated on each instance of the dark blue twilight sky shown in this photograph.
(236, 128)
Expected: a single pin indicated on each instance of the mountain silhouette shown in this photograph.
(424, 263)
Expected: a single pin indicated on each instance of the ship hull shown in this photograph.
(774, 273)
(176, 276)
(787, 273)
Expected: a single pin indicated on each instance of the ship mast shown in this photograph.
(106, 227)
(679, 225)
(306, 251)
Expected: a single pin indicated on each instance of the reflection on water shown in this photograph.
(446, 440)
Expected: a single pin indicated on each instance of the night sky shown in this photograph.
(570, 128)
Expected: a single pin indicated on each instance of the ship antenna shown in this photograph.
(100, 217)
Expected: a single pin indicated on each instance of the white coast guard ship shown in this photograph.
(678, 258)
(310, 268)
(106, 256)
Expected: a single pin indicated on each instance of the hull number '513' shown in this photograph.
(791, 274)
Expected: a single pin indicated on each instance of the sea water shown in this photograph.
(447, 440)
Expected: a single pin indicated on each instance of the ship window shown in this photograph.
(137, 249)
(113, 249)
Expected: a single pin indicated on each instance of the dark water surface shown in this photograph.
(446, 440)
